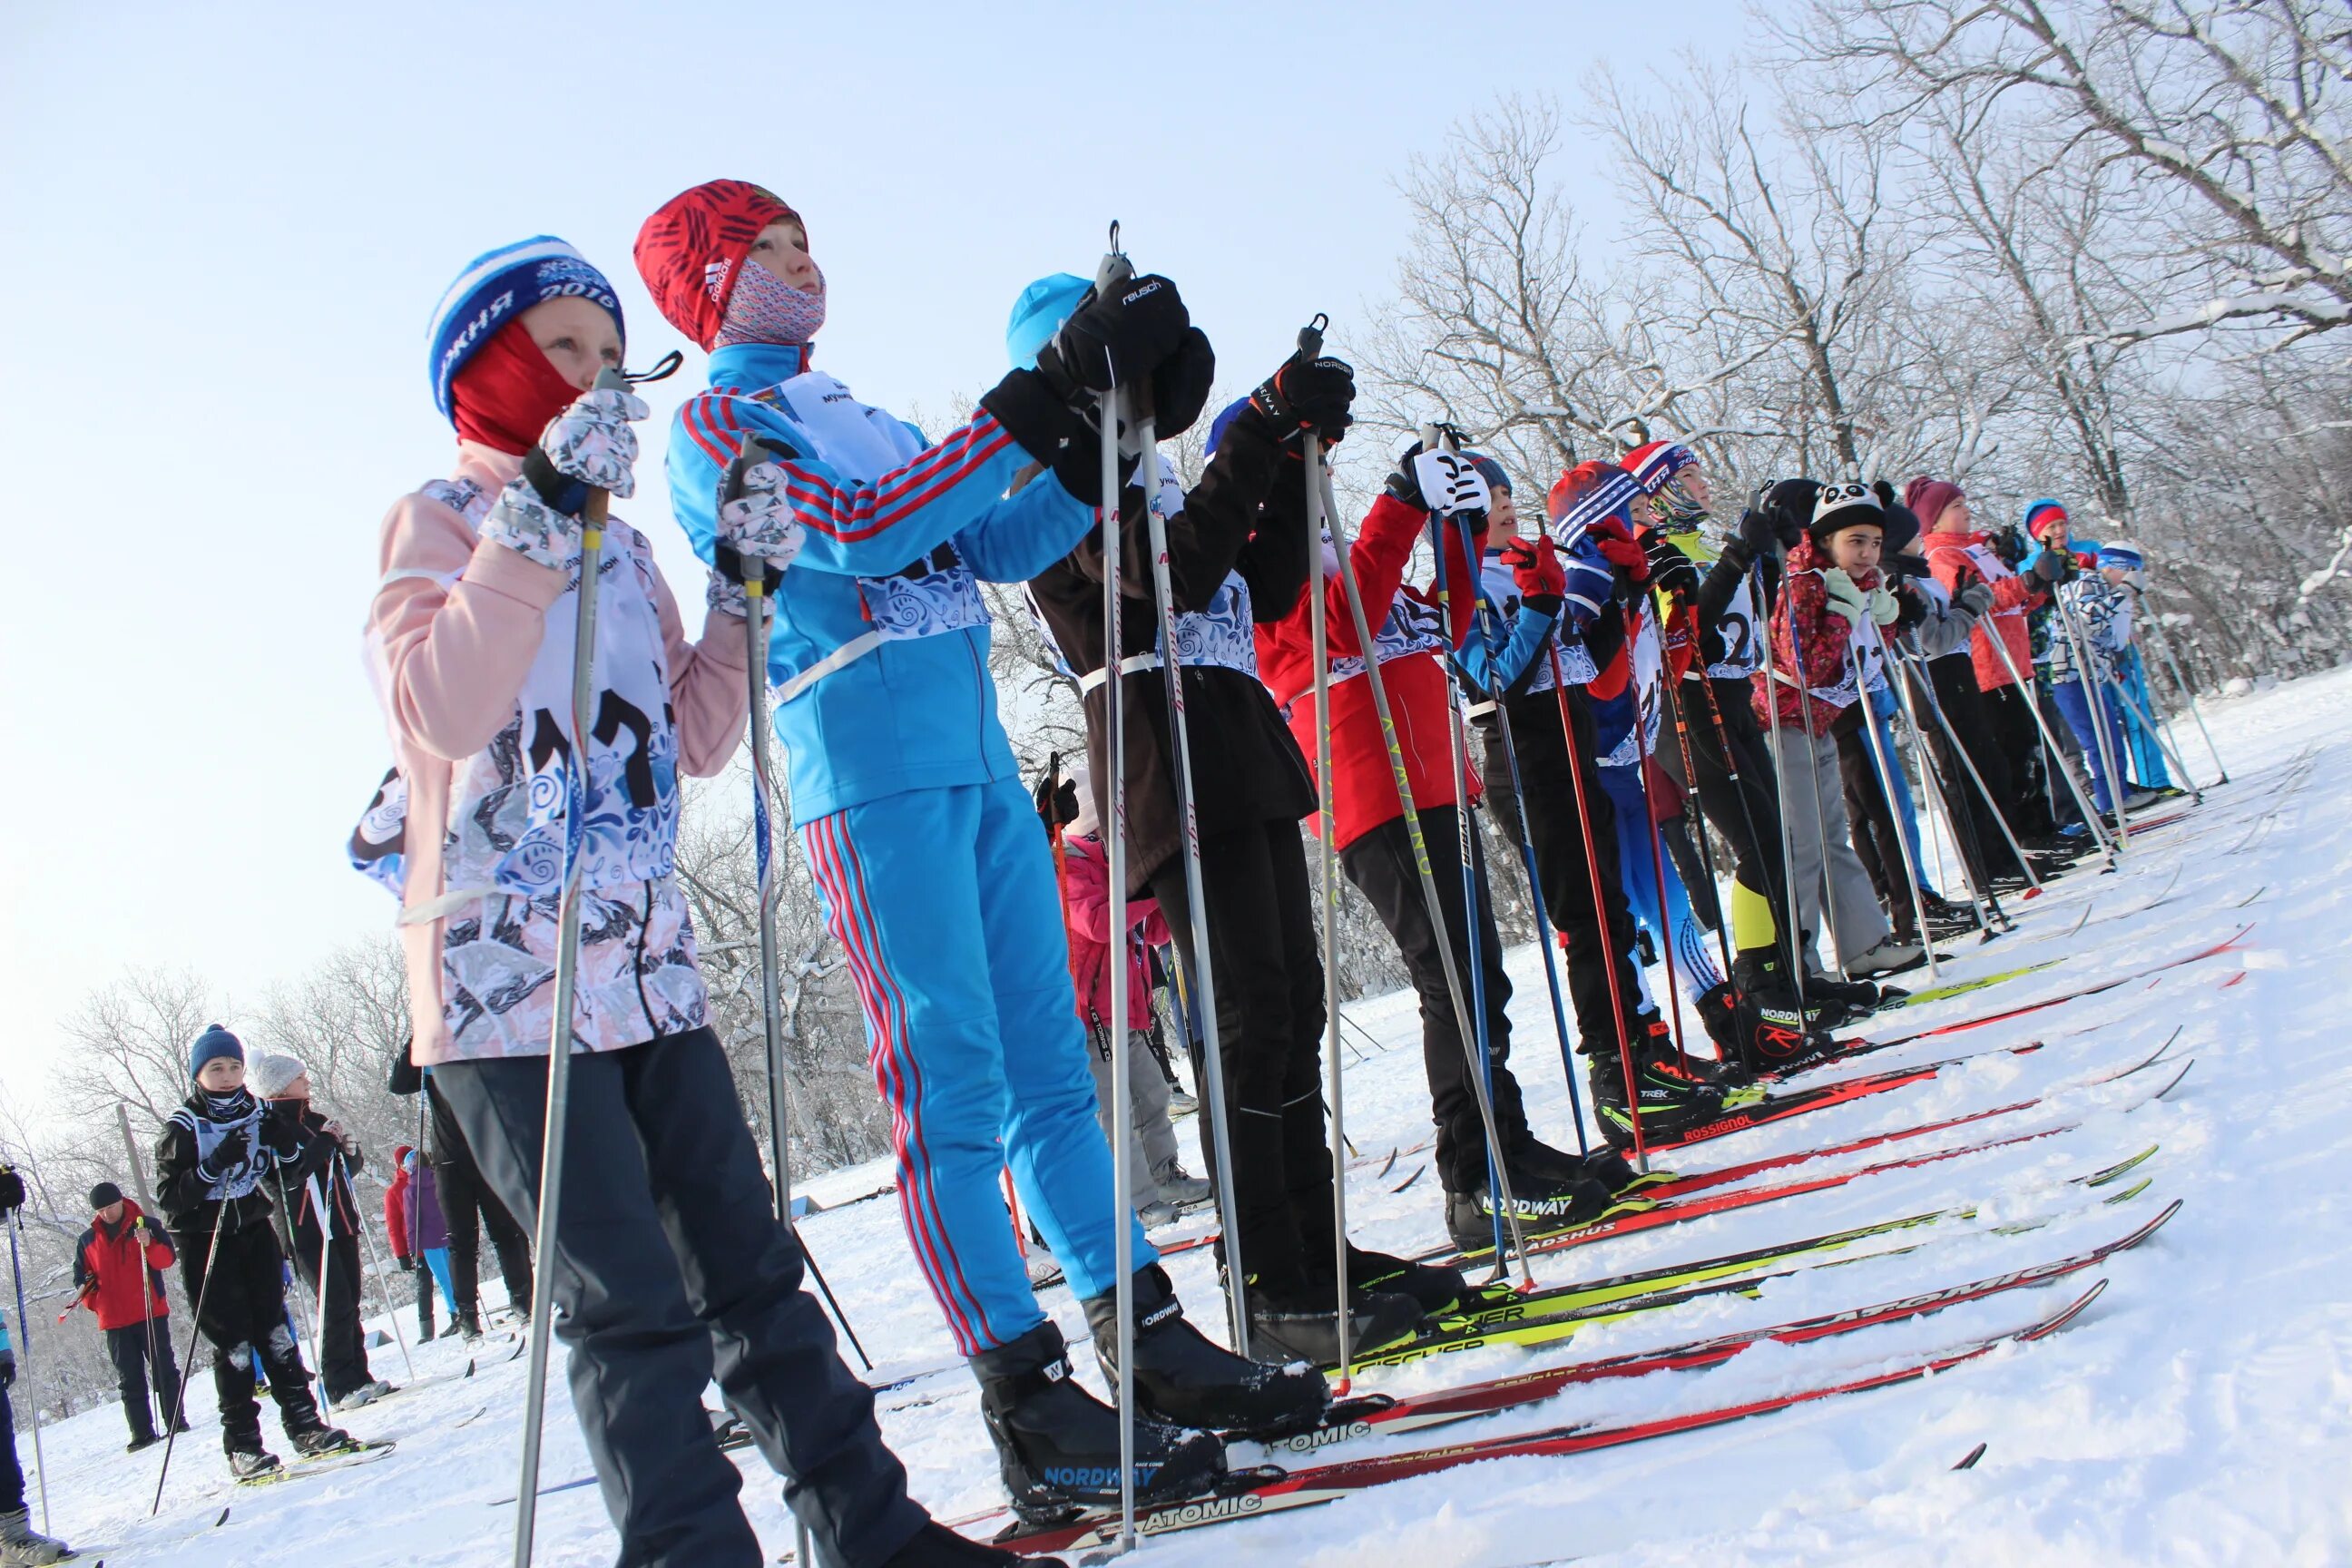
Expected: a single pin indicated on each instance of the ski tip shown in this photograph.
(469, 1366)
(2065, 1315)
(2131, 1192)
(2126, 1244)
(1968, 1460)
(2169, 1088)
(2129, 1163)
(222, 1519)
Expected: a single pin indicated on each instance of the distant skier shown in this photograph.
(420, 1239)
(214, 1162)
(118, 1274)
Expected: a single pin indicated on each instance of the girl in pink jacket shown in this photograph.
(471, 637)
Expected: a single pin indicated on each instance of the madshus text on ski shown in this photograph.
(1715, 734)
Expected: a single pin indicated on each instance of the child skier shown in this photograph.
(1831, 586)
(118, 1274)
(1236, 553)
(472, 630)
(420, 1239)
(916, 824)
(20, 1543)
(318, 1218)
(211, 1164)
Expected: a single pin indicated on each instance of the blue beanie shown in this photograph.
(498, 286)
(1038, 315)
(211, 1046)
(1222, 422)
(1491, 471)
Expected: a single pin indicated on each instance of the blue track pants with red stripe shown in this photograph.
(944, 901)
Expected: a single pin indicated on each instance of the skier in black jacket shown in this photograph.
(210, 1163)
(1236, 550)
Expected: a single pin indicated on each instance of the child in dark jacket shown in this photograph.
(209, 1164)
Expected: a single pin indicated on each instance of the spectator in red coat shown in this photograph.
(412, 1217)
(119, 1271)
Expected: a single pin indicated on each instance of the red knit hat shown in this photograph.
(2040, 515)
(689, 252)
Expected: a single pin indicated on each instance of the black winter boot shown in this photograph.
(312, 1442)
(1302, 1321)
(1759, 1037)
(1539, 1206)
(936, 1546)
(1434, 1288)
(1666, 1109)
(1057, 1445)
(1181, 1378)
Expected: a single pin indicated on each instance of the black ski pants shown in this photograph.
(142, 1357)
(671, 1268)
(343, 1348)
(2011, 733)
(238, 1283)
(1266, 963)
(1733, 782)
(11, 1474)
(1382, 864)
(470, 1207)
(1599, 939)
(1877, 838)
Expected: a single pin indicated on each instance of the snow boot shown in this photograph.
(1183, 1378)
(1057, 1445)
(1301, 1321)
(1762, 976)
(246, 1463)
(1603, 1165)
(1889, 955)
(1434, 1287)
(1654, 1052)
(1666, 1109)
(936, 1546)
(317, 1442)
(1178, 1189)
(469, 1324)
(1541, 1207)
(21, 1544)
(143, 1440)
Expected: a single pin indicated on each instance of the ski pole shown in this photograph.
(1490, 631)
(753, 574)
(1680, 709)
(1467, 842)
(25, 1328)
(383, 1290)
(1984, 790)
(1657, 846)
(2102, 751)
(1795, 939)
(319, 1323)
(2188, 695)
(2058, 764)
(1310, 440)
(187, 1370)
(1610, 956)
(1138, 394)
(1113, 274)
(1378, 689)
(567, 972)
(1796, 680)
(1876, 744)
(1937, 786)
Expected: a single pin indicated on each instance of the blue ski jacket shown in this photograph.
(878, 661)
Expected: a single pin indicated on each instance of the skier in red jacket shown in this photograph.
(119, 1271)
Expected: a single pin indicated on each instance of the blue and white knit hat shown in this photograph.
(500, 285)
(1039, 313)
(2122, 554)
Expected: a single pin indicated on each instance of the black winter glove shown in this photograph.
(408, 1266)
(1179, 388)
(1308, 393)
(1056, 797)
(227, 1156)
(7, 1369)
(12, 1190)
(1122, 337)
(2051, 567)
(1670, 569)
(1756, 531)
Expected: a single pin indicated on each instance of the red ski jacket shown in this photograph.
(1363, 785)
(1959, 559)
(1820, 635)
(116, 1283)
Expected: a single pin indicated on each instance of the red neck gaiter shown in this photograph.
(507, 393)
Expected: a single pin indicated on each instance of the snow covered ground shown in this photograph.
(2201, 1412)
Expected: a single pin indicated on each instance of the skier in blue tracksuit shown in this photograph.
(920, 836)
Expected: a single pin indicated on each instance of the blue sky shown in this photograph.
(226, 226)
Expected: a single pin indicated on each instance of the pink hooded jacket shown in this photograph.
(458, 626)
(1086, 881)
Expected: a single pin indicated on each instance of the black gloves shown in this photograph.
(1120, 337)
(2051, 566)
(1180, 386)
(1057, 798)
(1050, 430)
(7, 1369)
(230, 1153)
(1756, 533)
(408, 1266)
(1308, 393)
(12, 1190)
(1670, 569)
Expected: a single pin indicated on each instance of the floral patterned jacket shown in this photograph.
(470, 648)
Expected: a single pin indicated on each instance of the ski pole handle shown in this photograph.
(600, 501)
(750, 570)
(1310, 338)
